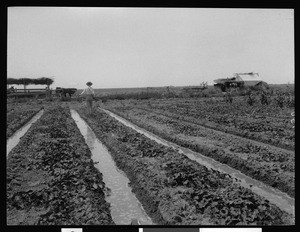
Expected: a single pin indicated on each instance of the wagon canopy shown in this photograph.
(19, 81)
(30, 81)
(252, 80)
(248, 76)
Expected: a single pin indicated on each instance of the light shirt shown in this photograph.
(88, 91)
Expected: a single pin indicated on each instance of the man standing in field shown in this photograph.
(89, 96)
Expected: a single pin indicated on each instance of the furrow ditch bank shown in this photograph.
(270, 166)
(51, 178)
(175, 190)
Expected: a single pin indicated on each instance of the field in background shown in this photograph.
(176, 89)
(112, 91)
(278, 95)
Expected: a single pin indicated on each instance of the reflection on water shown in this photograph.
(15, 138)
(282, 200)
(124, 205)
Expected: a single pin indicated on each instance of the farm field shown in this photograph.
(268, 124)
(173, 120)
(51, 178)
(18, 114)
(177, 90)
(175, 189)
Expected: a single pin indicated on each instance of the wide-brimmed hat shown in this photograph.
(89, 83)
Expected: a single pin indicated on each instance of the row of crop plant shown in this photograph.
(268, 164)
(51, 178)
(18, 115)
(176, 190)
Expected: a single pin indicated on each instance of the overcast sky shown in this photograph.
(148, 47)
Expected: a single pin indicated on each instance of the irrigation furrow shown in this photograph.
(19, 116)
(177, 190)
(124, 204)
(270, 166)
(50, 177)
